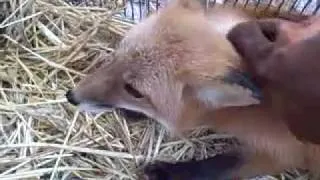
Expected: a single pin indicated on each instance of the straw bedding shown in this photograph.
(46, 46)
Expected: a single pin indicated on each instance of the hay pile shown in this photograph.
(45, 48)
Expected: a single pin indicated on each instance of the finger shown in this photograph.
(270, 28)
(252, 39)
(295, 62)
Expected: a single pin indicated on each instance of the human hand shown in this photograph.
(284, 59)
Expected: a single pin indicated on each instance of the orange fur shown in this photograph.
(179, 54)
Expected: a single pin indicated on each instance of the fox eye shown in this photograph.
(132, 91)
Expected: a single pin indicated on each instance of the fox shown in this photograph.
(178, 68)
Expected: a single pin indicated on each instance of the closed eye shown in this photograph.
(132, 91)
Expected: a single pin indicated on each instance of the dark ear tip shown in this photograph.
(245, 80)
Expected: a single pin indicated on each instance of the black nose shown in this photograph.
(70, 97)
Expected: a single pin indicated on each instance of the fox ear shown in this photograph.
(220, 95)
(215, 92)
(202, 72)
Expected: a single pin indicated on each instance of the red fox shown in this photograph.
(178, 68)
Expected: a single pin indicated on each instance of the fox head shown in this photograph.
(172, 66)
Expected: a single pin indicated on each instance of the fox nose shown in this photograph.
(71, 99)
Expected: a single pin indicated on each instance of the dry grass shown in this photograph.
(47, 46)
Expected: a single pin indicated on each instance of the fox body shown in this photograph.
(178, 68)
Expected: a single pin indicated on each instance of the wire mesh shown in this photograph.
(136, 10)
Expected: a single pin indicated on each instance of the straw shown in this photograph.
(46, 48)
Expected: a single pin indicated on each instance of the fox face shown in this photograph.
(173, 66)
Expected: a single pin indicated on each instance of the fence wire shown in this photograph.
(136, 10)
